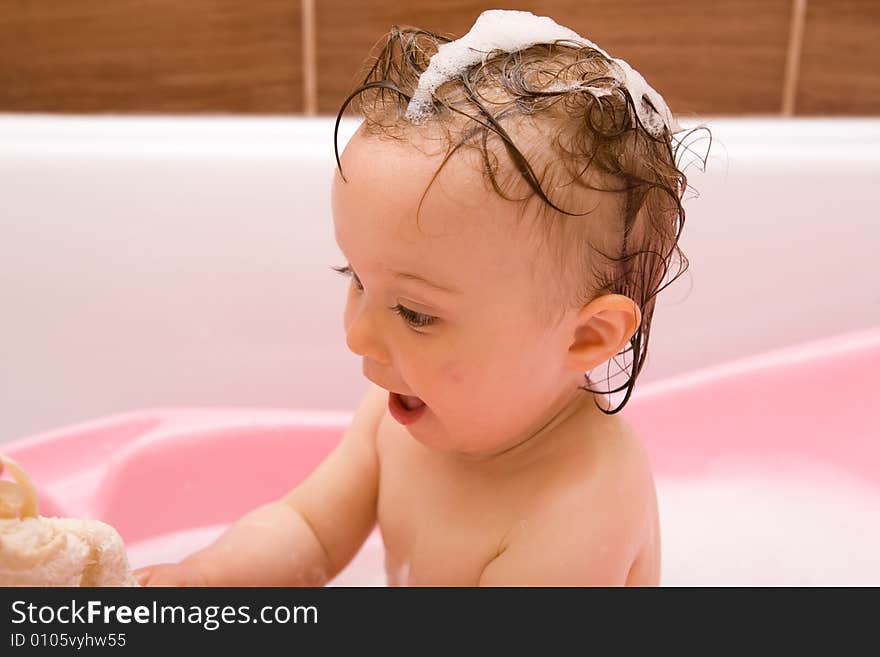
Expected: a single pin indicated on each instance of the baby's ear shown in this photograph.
(601, 329)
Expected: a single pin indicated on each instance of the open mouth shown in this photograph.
(411, 403)
(406, 409)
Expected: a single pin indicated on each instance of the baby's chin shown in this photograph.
(461, 445)
(431, 433)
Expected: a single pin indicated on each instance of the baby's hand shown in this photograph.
(170, 574)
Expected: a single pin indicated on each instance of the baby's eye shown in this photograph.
(411, 316)
(348, 271)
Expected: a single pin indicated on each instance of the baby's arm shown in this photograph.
(306, 537)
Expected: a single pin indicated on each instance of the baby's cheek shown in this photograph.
(451, 372)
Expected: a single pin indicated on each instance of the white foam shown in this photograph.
(755, 526)
(510, 30)
(743, 526)
(172, 547)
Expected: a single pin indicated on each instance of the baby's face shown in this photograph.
(465, 338)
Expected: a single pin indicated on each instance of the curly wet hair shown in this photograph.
(570, 89)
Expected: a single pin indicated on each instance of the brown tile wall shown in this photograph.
(704, 57)
(83, 56)
(840, 63)
(726, 57)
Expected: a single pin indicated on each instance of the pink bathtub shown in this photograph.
(767, 469)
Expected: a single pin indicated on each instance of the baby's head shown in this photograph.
(541, 209)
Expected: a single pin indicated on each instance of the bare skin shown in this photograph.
(448, 523)
(511, 476)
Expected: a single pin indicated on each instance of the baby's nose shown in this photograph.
(364, 337)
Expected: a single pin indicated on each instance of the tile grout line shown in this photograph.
(309, 69)
(793, 56)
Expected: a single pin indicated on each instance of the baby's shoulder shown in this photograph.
(608, 464)
(621, 456)
(613, 484)
(592, 521)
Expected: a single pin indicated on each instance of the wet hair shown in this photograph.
(569, 88)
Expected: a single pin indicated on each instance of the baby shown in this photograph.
(487, 279)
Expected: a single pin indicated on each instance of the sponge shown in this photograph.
(38, 551)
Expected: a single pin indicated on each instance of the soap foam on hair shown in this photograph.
(510, 30)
